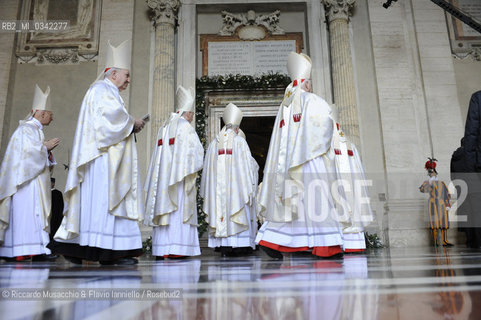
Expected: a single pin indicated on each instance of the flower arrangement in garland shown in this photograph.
(228, 82)
(266, 81)
(147, 245)
(372, 240)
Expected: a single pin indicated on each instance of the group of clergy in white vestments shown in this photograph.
(296, 203)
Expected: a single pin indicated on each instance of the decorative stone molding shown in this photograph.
(474, 54)
(338, 9)
(465, 41)
(257, 103)
(57, 56)
(164, 11)
(251, 26)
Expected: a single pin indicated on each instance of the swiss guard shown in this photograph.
(438, 205)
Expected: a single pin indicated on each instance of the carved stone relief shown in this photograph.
(163, 11)
(251, 26)
(79, 43)
(465, 41)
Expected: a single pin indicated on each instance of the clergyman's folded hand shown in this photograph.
(138, 125)
(52, 143)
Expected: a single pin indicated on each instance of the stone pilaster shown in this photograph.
(338, 12)
(7, 39)
(164, 17)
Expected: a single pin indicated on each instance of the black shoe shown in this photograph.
(120, 262)
(73, 259)
(126, 261)
(447, 244)
(274, 254)
(159, 258)
(243, 251)
(8, 259)
(45, 257)
(226, 252)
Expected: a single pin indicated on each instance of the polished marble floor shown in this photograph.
(409, 283)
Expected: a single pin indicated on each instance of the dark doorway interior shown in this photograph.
(258, 131)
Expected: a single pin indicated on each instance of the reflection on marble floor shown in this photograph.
(410, 283)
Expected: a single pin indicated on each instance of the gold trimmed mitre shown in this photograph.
(299, 66)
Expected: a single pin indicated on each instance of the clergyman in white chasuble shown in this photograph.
(170, 205)
(295, 199)
(103, 202)
(25, 197)
(353, 207)
(228, 186)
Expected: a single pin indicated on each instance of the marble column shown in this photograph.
(338, 12)
(164, 17)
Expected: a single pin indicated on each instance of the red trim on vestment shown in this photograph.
(295, 83)
(354, 250)
(21, 258)
(171, 141)
(337, 125)
(173, 256)
(282, 248)
(349, 152)
(159, 143)
(318, 251)
(282, 123)
(337, 151)
(326, 251)
(106, 69)
(224, 151)
(297, 117)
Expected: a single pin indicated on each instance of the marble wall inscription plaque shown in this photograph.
(249, 57)
(228, 55)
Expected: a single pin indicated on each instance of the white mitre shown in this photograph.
(299, 66)
(232, 115)
(185, 100)
(41, 101)
(118, 57)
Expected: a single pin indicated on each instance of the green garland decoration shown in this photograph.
(238, 81)
(372, 240)
(228, 82)
(147, 245)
